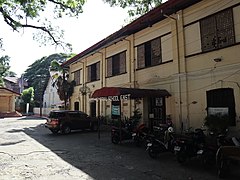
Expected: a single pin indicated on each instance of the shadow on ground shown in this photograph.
(100, 159)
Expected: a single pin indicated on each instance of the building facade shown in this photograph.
(51, 100)
(189, 48)
(7, 102)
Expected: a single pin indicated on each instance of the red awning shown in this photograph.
(134, 92)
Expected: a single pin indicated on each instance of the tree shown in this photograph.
(20, 14)
(64, 88)
(39, 71)
(136, 7)
(4, 68)
(27, 97)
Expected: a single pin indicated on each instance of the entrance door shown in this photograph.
(223, 98)
(76, 106)
(93, 109)
(157, 111)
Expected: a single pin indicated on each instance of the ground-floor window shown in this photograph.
(222, 98)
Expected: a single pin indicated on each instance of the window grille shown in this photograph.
(217, 31)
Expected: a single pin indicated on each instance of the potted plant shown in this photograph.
(217, 123)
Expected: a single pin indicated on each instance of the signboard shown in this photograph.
(220, 111)
(116, 110)
(115, 98)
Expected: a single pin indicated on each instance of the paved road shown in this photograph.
(29, 151)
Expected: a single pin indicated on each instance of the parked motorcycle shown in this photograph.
(124, 132)
(212, 143)
(140, 135)
(189, 146)
(225, 155)
(157, 145)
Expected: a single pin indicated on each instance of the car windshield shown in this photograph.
(56, 114)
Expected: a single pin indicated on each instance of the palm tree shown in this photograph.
(60, 75)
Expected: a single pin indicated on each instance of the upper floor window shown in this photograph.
(93, 72)
(116, 64)
(149, 53)
(217, 31)
(76, 75)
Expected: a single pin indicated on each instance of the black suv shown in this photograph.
(64, 121)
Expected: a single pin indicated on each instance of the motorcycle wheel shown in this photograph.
(221, 172)
(115, 139)
(222, 169)
(137, 141)
(181, 157)
(152, 153)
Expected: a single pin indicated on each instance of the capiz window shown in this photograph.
(116, 64)
(217, 31)
(93, 72)
(149, 53)
(77, 77)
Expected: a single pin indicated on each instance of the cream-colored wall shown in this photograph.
(236, 17)
(187, 78)
(158, 29)
(205, 8)
(203, 73)
(192, 31)
(4, 105)
(7, 101)
(192, 39)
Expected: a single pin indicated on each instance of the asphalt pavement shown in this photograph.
(29, 151)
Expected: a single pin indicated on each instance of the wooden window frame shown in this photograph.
(217, 31)
(116, 64)
(76, 77)
(147, 55)
(93, 72)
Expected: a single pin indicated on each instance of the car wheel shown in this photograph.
(66, 129)
(93, 127)
(54, 131)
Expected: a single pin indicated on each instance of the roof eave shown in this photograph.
(147, 20)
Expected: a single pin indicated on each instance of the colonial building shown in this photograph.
(7, 102)
(51, 98)
(185, 50)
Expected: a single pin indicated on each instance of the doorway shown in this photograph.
(157, 111)
(223, 98)
(93, 108)
(76, 106)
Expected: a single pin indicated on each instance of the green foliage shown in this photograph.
(37, 74)
(64, 88)
(217, 123)
(135, 118)
(21, 13)
(136, 7)
(4, 68)
(4, 65)
(27, 95)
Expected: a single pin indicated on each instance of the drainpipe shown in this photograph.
(83, 78)
(101, 79)
(178, 71)
(130, 70)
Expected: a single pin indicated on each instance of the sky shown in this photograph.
(97, 21)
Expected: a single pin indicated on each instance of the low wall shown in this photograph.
(45, 111)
